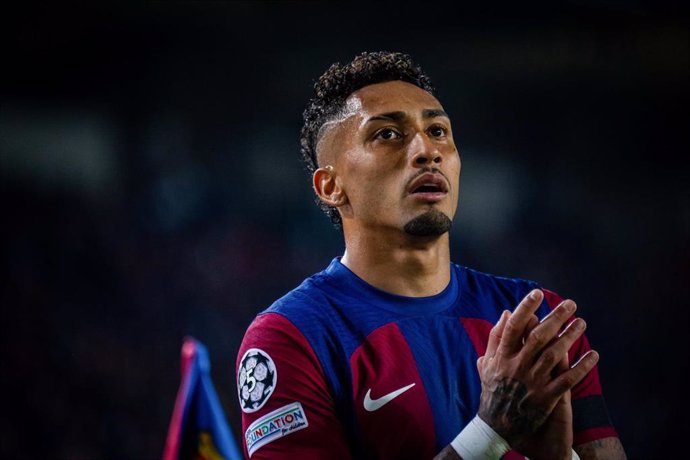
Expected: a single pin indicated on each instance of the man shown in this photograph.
(390, 351)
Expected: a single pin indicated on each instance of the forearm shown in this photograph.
(602, 449)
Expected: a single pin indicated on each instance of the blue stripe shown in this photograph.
(450, 378)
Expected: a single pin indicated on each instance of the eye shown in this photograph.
(438, 131)
(388, 134)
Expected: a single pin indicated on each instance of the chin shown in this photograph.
(431, 223)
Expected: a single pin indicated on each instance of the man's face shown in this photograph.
(394, 157)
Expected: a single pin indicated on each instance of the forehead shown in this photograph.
(390, 96)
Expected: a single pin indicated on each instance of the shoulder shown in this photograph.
(299, 323)
(282, 322)
(281, 326)
(498, 292)
(488, 281)
(494, 293)
(311, 293)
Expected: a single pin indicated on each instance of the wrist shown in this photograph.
(571, 456)
(478, 441)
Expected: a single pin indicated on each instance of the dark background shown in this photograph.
(151, 188)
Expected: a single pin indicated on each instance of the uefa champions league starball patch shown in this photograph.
(256, 379)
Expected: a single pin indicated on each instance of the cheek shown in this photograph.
(454, 168)
(357, 181)
(370, 177)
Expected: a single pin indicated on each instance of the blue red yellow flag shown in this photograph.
(198, 428)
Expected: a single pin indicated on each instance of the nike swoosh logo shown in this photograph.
(375, 404)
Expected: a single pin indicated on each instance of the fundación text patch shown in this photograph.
(275, 425)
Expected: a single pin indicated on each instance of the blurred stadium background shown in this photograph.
(151, 189)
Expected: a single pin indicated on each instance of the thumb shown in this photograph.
(480, 364)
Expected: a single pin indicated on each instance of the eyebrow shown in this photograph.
(400, 116)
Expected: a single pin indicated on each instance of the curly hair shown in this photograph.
(337, 84)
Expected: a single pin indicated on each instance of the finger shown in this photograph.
(511, 341)
(553, 312)
(567, 380)
(554, 354)
(496, 334)
(548, 328)
(533, 322)
(563, 410)
(562, 366)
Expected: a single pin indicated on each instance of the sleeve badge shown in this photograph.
(256, 379)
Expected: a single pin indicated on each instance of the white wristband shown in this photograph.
(478, 441)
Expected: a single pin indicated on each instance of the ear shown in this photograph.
(328, 188)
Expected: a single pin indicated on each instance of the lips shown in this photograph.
(428, 184)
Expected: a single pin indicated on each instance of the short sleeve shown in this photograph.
(287, 408)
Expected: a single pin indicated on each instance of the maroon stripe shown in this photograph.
(383, 364)
(478, 330)
(593, 434)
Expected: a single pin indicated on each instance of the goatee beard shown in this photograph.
(431, 223)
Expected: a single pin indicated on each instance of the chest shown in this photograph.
(414, 385)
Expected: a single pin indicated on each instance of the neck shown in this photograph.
(405, 265)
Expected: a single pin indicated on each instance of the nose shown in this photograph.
(424, 151)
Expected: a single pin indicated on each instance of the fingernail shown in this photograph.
(569, 306)
(580, 325)
(534, 295)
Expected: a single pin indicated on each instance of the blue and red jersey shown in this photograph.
(340, 369)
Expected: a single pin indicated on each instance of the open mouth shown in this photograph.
(428, 188)
(429, 185)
